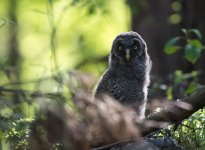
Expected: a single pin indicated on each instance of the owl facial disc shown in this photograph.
(127, 56)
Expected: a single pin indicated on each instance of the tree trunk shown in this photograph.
(13, 49)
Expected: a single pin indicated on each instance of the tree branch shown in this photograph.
(177, 111)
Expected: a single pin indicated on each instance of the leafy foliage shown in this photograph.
(15, 130)
(190, 133)
(170, 47)
(192, 47)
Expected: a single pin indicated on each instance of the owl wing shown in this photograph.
(110, 85)
(104, 85)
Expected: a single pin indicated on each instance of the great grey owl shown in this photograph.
(127, 76)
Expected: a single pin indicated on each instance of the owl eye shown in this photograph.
(135, 47)
(120, 47)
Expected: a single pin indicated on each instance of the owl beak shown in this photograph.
(127, 56)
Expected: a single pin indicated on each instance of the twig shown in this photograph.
(33, 94)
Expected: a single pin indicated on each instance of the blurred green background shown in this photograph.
(46, 43)
(76, 30)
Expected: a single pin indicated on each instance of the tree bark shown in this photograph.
(178, 111)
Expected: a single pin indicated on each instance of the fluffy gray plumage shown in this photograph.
(127, 76)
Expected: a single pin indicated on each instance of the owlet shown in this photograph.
(127, 77)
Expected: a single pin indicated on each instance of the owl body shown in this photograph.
(127, 77)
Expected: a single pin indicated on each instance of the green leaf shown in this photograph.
(194, 73)
(169, 93)
(172, 50)
(184, 31)
(196, 43)
(191, 88)
(178, 76)
(192, 53)
(196, 32)
(171, 46)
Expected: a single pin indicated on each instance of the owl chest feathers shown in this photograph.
(124, 86)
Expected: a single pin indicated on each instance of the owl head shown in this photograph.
(128, 48)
